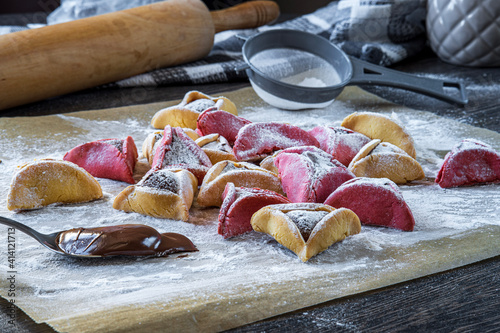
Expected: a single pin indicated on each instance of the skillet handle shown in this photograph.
(370, 74)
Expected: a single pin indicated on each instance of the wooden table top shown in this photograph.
(462, 299)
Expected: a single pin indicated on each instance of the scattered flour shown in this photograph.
(247, 269)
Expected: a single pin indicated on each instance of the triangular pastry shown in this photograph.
(47, 181)
(469, 162)
(378, 126)
(107, 158)
(376, 201)
(216, 147)
(238, 206)
(241, 174)
(342, 143)
(165, 193)
(150, 144)
(309, 174)
(177, 150)
(185, 114)
(256, 141)
(384, 160)
(221, 122)
(306, 228)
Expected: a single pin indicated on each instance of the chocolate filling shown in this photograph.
(127, 239)
(218, 145)
(306, 220)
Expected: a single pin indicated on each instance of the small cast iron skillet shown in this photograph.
(352, 71)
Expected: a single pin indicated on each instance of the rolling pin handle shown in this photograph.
(247, 15)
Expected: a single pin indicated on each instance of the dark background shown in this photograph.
(29, 6)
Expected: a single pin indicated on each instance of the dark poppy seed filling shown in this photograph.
(218, 145)
(200, 105)
(229, 167)
(384, 148)
(158, 136)
(115, 142)
(179, 154)
(340, 130)
(214, 145)
(162, 180)
(306, 220)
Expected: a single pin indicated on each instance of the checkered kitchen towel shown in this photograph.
(379, 31)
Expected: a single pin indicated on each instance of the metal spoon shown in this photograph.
(49, 241)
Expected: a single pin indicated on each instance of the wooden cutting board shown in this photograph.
(233, 282)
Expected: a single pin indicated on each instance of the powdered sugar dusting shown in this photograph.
(115, 142)
(248, 274)
(178, 154)
(321, 164)
(467, 144)
(258, 140)
(162, 180)
(306, 220)
(375, 182)
(387, 148)
(200, 105)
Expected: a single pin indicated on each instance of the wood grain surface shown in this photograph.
(465, 299)
(461, 300)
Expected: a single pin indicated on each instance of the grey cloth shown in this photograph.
(382, 32)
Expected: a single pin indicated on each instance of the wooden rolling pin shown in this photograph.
(67, 57)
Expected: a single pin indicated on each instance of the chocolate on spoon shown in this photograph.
(124, 240)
